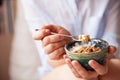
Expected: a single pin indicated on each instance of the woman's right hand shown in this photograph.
(53, 44)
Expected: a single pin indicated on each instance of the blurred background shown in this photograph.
(18, 58)
(7, 18)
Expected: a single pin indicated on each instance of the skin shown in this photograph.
(80, 72)
(53, 44)
(54, 47)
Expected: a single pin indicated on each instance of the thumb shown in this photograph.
(40, 34)
(111, 50)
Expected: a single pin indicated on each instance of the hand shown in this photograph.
(81, 72)
(53, 44)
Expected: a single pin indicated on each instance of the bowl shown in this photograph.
(83, 58)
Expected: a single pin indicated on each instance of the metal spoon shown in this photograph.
(75, 38)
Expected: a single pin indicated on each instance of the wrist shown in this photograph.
(56, 62)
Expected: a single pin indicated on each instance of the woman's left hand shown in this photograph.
(82, 73)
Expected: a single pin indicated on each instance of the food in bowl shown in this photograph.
(84, 37)
(86, 49)
(83, 51)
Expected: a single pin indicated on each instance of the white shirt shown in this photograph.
(99, 18)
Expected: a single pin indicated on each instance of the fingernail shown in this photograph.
(92, 63)
(47, 30)
(75, 63)
(67, 61)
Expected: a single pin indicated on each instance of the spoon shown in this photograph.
(75, 38)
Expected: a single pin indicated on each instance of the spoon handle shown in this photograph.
(57, 33)
(61, 34)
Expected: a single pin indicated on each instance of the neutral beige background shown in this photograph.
(5, 45)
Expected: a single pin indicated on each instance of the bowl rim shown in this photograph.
(107, 45)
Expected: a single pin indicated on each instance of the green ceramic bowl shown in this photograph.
(83, 58)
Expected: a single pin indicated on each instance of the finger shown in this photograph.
(52, 39)
(68, 62)
(39, 35)
(57, 53)
(83, 72)
(100, 69)
(111, 50)
(53, 46)
(80, 69)
(55, 28)
(65, 56)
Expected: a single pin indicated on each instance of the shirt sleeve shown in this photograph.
(34, 14)
(36, 17)
(111, 32)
